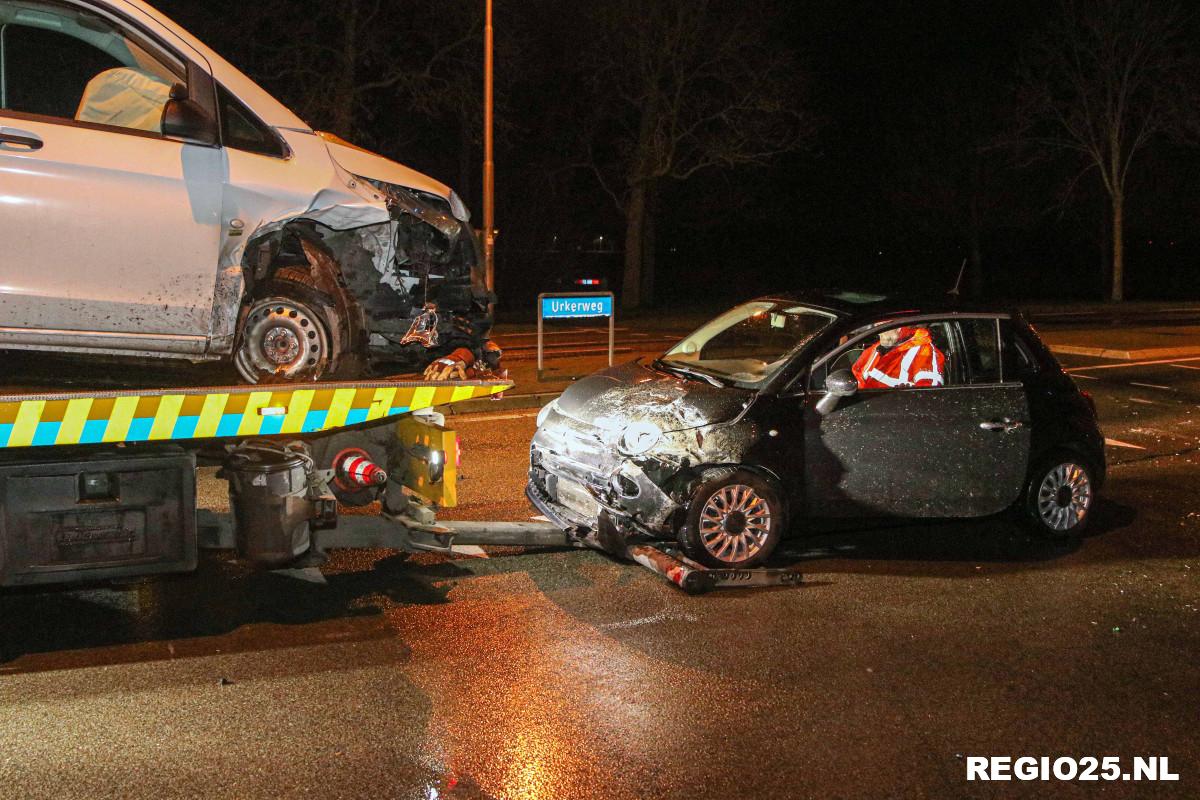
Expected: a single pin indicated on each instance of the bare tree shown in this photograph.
(334, 62)
(680, 86)
(952, 176)
(1102, 81)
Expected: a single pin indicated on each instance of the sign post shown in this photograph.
(574, 305)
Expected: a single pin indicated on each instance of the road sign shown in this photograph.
(575, 305)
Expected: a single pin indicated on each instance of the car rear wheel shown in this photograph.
(1059, 496)
(282, 340)
(735, 520)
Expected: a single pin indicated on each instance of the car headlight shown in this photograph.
(459, 209)
(545, 412)
(640, 437)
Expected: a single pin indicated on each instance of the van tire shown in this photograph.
(284, 340)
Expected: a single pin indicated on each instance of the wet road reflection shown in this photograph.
(566, 674)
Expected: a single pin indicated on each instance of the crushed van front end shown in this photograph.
(421, 292)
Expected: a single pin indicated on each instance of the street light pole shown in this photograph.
(489, 178)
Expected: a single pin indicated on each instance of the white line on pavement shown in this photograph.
(1171, 361)
(1093, 377)
(1151, 386)
(1119, 443)
(1185, 366)
(491, 417)
(1143, 402)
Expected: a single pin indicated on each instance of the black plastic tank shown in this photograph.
(268, 491)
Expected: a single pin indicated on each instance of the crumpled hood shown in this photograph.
(373, 166)
(614, 397)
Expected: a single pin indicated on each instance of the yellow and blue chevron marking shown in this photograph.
(42, 420)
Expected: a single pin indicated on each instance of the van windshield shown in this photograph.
(749, 343)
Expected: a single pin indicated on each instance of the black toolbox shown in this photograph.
(82, 515)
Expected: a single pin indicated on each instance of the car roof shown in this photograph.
(857, 305)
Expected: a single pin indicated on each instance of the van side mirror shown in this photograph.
(186, 119)
(839, 384)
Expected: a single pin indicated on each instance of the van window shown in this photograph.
(241, 130)
(74, 65)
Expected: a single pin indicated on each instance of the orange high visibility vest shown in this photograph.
(913, 362)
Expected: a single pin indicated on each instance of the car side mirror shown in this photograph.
(839, 384)
(184, 118)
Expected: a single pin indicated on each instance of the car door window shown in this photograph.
(912, 355)
(1016, 355)
(980, 349)
(75, 65)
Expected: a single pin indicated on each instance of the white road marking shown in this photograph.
(491, 417)
(1093, 377)
(1185, 366)
(662, 616)
(1151, 386)
(563, 332)
(1119, 443)
(1143, 402)
(1171, 361)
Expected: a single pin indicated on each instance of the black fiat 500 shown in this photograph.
(760, 419)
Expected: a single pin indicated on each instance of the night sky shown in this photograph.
(896, 86)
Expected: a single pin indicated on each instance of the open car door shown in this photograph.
(957, 450)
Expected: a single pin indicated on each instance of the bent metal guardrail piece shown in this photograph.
(218, 412)
(695, 578)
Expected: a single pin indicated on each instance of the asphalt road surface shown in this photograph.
(565, 674)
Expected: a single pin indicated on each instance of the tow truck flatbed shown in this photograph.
(218, 412)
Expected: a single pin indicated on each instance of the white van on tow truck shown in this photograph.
(156, 202)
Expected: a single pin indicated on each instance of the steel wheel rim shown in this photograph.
(1064, 497)
(281, 339)
(735, 523)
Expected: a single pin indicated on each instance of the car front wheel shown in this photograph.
(1059, 496)
(734, 520)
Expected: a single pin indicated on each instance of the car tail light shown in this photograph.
(1090, 401)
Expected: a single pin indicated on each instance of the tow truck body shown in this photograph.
(102, 485)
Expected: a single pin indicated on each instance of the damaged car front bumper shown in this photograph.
(579, 478)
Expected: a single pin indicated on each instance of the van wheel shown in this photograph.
(735, 520)
(282, 341)
(1059, 496)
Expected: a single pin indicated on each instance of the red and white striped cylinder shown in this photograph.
(357, 470)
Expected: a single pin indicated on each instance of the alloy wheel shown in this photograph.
(1064, 497)
(735, 523)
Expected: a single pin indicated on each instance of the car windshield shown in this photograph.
(748, 344)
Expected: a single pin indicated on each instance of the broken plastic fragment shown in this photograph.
(424, 327)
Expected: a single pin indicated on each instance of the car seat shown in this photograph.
(951, 370)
